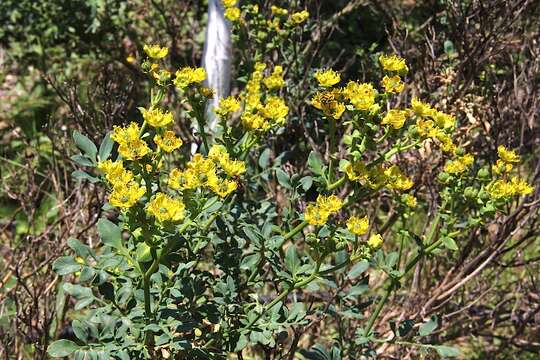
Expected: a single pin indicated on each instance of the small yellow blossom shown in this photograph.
(393, 63)
(328, 102)
(396, 180)
(188, 75)
(131, 59)
(459, 165)
(442, 120)
(232, 13)
(155, 51)
(395, 118)
(361, 95)
(278, 11)
(373, 177)
(275, 109)
(508, 156)
(275, 81)
(254, 122)
(358, 226)
(502, 189)
(157, 118)
(229, 3)
(331, 203)
(327, 78)
(393, 84)
(164, 208)
(228, 106)
(501, 167)
(217, 152)
(168, 142)
(132, 147)
(125, 196)
(375, 241)
(233, 168)
(420, 108)
(314, 215)
(183, 180)
(115, 172)
(409, 200)
(224, 187)
(299, 17)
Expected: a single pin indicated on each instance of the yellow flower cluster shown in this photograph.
(165, 208)
(358, 226)
(275, 81)
(203, 172)
(506, 160)
(168, 142)
(156, 117)
(227, 106)
(132, 147)
(377, 176)
(361, 95)
(155, 52)
(409, 200)
(329, 102)
(396, 180)
(395, 118)
(276, 10)
(327, 78)
(187, 76)
(232, 12)
(298, 18)
(126, 192)
(393, 63)
(375, 241)
(459, 165)
(318, 213)
(392, 84)
(434, 124)
(502, 189)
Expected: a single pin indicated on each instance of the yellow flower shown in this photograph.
(330, 204)
(501, 167)
(444, 121)
(188, 75)
(232, 13)
(126, 195)
(131, 146)
(275, 109)
(217, 152)
(459, 165)
(375, 241)
(157, 118)
(420, 108)
(156, 51)
(393, 63)
(328, 102)
(392, 84)
(409, 200)
(183, 180)
(227, 106)
(299, 17)
(361, 95)
(395, 118)
(115, 172)
(327, 78)
(508, 156)
(373, 177)
(131, 59)
(278, 11)
(254, 122)
(165, 208)
(314, 215)
(358, 226)
(168, 142)
(396, 180)
(521, 187)
(233, 168)
(229, 3)
(275, 81)
(224, 187)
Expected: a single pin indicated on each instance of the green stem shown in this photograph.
(380, 306)
(296, 230)
(332, 124)
(337, 184)
(203, 135)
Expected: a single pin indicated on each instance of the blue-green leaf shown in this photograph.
(85, 144)
(105, 148)
(110, 233)
(61, 348)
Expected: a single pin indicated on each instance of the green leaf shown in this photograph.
(358, 269)
(82, 160)
(85, 144)
(81, 175)
(283, 179)
(428, 327)
(292, 262)
(61, 348)
(450, 244)
(241, 343)
(79, 248)
(143, 252)
(65, 265)
(264, 159)
(105, 148)
(315, 163)
(306, 182)
(110, 233)
(447, 351)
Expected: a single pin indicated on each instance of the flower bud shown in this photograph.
(483, 173)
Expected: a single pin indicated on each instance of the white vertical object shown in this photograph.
(217, 58)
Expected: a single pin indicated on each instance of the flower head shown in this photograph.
(164, 208)
(232, 13)
(508, 156)
(393, 63)
(392, 84)
(188, 75)
(275, 109)
(115, 172)
(396, 179)
(157, 118)
(358, 226)
(375, 241)
(395, 118)
(298, 18)
(168, 142)
(275, 81)
(228, 106)
(330, 203)
(420, 108)
(459, 165)
(132, 147)
(155, 51)
(361, 95)
(328, 77)
(125, 196)
(314, 215)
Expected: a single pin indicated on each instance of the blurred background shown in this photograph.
(67, 65)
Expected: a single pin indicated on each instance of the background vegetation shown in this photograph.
(475, 59)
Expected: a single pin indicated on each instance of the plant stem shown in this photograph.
(338, 183)
(296, 230)
(332, 124)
